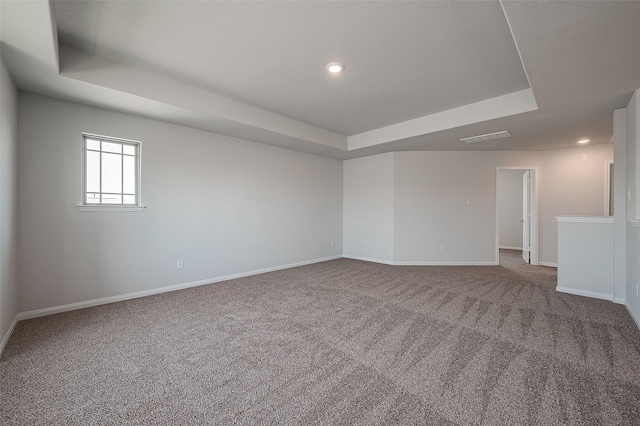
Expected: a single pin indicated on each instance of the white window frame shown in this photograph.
(137, 207)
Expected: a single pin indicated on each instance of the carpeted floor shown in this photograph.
(339, 342)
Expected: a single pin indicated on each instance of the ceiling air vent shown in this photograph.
(487, 137)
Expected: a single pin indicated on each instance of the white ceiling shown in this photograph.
(419, 75)
(404, 60)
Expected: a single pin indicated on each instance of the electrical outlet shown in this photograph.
(443, 248)
(584, 157)
(180, 264)
(333, 244)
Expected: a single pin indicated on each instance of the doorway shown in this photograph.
(517, 212)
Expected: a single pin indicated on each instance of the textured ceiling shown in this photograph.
(403, 59)
(419, 75)
(578, 51)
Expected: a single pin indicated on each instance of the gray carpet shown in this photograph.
(339, 342)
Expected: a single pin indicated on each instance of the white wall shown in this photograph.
(510, 208)
(426, 201)
(573, 186)
(368, 208)
(633, 227)
(620, 204)
(225, 206)
(633, 168)
(228, 206)
(586, 257)
(8, 203)
(431, 193)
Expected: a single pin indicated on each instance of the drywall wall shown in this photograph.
(574, 184)
(632, 299)
(510, 208)
(228, 206)
(620, 204)
(8, 203)
(586, 256)
(223, 205)
(633, 134)
(368, 208)
(449, 198)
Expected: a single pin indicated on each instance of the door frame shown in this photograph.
(533, 204)
(525, 184)
(608, 189)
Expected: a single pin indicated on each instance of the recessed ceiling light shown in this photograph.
(489, 136)
(335, 67)
(584, 141)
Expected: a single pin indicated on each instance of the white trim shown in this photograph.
(636, 318)
(510, 248)
(619, 300)
(114, 208)
(368, 259)
(448, 263)
(585, 293)
(83, 180)
(105, 300)
(585, 219)
(550, 264)
(422, 263)
(607, 185)
(635, 222)
(111, 138)
(7, 336)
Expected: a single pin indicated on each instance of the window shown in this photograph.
(111, 173)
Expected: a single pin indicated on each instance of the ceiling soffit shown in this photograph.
(404, 60)
(288, 100)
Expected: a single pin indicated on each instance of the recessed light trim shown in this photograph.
(583, 141)
(335, 67)
(489, 136)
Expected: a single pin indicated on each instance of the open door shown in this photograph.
(508, 213)
(526, 217)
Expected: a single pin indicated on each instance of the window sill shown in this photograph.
(111, 208)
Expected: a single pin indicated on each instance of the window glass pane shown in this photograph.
(129, 149)
(129, 175)
(111, 173)
(111, 199)
(92, 167)
(112, 147)
(93, 144)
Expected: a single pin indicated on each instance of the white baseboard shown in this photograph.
(448, 263)
(429, 263)
(105, 300)
(619, 300)
(585, 293)
(7, 336)
(368, 259)
(549, 264)
(510, 248)
(636, 318)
